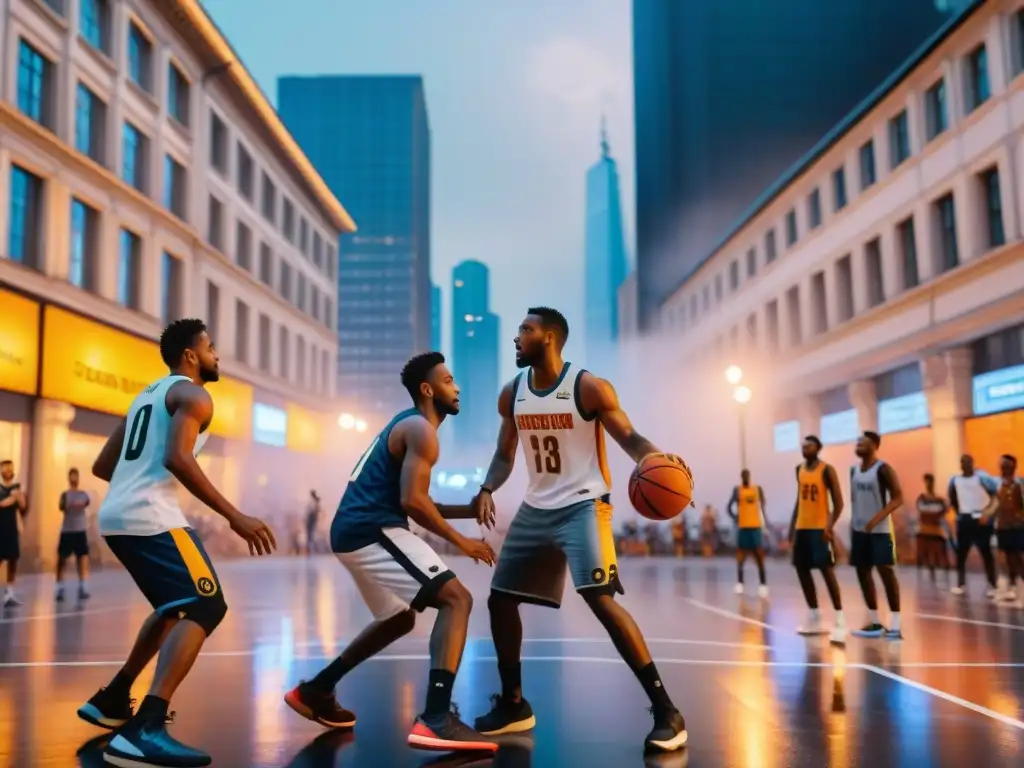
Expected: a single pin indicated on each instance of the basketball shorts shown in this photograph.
(1011, 540)
(812, 550)
(870, 549)
(72, 543)
(749, 539)
(397, 572)
(540, 544)
(10, 538)
(171, 568)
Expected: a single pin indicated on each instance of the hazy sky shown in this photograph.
(515, 92)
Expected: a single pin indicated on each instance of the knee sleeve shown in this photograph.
(207, 612)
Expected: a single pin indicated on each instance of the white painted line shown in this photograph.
(687, 662)
(602, 640)
(63, 615)
(728, 614)
(978, 622)
(1004, 719)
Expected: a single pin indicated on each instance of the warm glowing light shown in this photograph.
(346, 421)
(734, 374)
(360, 425)
(741, 395)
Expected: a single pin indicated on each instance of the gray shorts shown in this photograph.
(541, 542)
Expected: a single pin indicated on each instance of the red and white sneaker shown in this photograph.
(447, 733)
(319, 706)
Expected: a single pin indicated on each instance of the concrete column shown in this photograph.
(891, 268)
(971, 226)
(832, 303)
(997, 54)
(946, 379)
(47, 479)
(107, 266)
(859, 280)
(954, 92)
(1009, 193)
(924, 236)
(57, 240)
(809, 416)
(864, 399)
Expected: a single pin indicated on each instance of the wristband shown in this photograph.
(487, 490)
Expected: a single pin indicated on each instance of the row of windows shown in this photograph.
(976, 89)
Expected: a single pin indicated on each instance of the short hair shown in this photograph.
(417, 370)
(177, 337)
(929, 477)
(813, 439)
(552, 320)
(73, 469)
(1010, 458)
(874, 437)
(5, 462)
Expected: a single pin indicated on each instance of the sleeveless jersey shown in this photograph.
(869, 493)
(812, 500)
(930, 513)
(564, 447)
(143, 496)
(748, 507)
(1011, 504)
(373, 497)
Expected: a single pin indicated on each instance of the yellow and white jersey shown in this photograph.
(563, 446)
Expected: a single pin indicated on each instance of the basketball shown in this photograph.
(661, 486)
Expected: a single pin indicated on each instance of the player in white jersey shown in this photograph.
(147, 460)
(560, 412)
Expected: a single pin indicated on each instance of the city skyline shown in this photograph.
(475, 356)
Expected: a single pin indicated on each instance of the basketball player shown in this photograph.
(74, 539)
(931, 535)
(811, 534)
(875, 493)
(559, 412)
(397, 573)
(749, 502)
(973, 496)
(12, 504)
(1010, 524)
(150, 456)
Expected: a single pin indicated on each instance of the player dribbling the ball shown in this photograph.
(560, 412)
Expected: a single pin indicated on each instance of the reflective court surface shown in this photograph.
(754, 693)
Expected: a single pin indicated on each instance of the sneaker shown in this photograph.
(893, 634)
(837, 636)
(58, 593)
(738, 589)
(447, 733)
(762, 591)
(812, 627)
(11, 600)
(319, 706)
(992, 593)
(870, 630)
(107, 709)
(957, 590)
(669, 732)
(83, 592)
(506, 717)
(147, 743)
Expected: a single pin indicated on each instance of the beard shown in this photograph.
(447, 409)
(209, 375)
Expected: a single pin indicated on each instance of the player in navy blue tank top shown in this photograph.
(397, 573)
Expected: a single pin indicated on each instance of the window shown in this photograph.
(318, 250)
(325, 371)
(793, 310)
(269, 199)
(241, 332)
(906, 240)
(771, 323)
(94, 23)
(718, 288)
(174, 186)
(769, 247)
(300, 297)
(215, 225)
(314, 374)
(285, 285)
(283, 361)
(212, 310)
(128, 274)
(993, 208)
(140, 58)
(178, 89)
(35, 85)
(264, 344)
(218, 145)
(246, 174)
(90, 123)
(946, 214)
(135, 153)
(873, 272)
(1017, 42)
(57, 6)
(935, 110)
(243, 246)
(751, 327)
(329, 313)
(899, 140)
(170, 288)
(751, 262)
(734, 275)
(867, 165)
(25, 241)
(844, 289)
(978, 90)
(300, 361)
(791, 232)
(288, 220)
(266, 265)
(314, 301)
(332, 261)
(819, 311)
(304, 236)
(84, 245)
(839, 189)
(814, 209)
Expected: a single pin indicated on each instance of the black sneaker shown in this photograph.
(893, 634)
(319, 706)
(669, 732)
(506, 716)
(447, 733)
(146, 742)
(107, 709)
(870, 630)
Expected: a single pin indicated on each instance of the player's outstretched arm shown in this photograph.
(106, 462)
(504, 458)
(598, 396)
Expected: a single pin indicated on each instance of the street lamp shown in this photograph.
(347, 421)
(741, 394)
(360, 425)
(734, 374)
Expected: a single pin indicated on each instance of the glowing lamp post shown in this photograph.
(741, 394)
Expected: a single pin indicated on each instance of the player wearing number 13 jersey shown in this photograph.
(147, 461)
(559, 414)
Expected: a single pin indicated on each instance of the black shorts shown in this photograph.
(811, 550)
(1011, 540)
(72, 543)
(171, 568)
(869, 549)
(10, 539)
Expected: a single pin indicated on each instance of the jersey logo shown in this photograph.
(544, 421)
(597, 575)
(206, 586)
(563, 396)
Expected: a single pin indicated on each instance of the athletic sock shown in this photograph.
(872, 617)
(121, 684)
(894, 622)
(153, 707)
(439, 692)
(328, 678)
(654, 689)
(511, 681)
(840, 620)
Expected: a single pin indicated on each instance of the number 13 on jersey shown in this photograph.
(546, 457)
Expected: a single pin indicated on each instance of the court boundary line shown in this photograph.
(976, 622)
(62, 614)
(725, 613)
(590, 640)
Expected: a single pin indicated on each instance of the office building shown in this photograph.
(144, 178)
(369, 137)
(435, 317)
(475, 332)
(730, 94)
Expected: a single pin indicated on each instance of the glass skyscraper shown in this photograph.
(475, 364)
(369, 138)
(435, 317)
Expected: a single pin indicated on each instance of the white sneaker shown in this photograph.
(738, 589)
(812, 627)
(762, 591)
(837, 636)
(1008, 596)
(11, 599)
(957, 590)
(993, 593)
